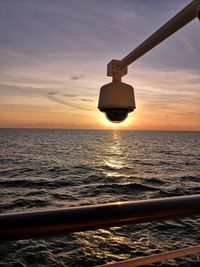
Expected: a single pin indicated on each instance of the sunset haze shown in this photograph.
(54, 56)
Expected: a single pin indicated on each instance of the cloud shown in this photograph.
(65, 95)
(24, 107)
(77, 77)
(52, 93)
(86, 100)
(60, 100)
(21, 90)
(69, 95)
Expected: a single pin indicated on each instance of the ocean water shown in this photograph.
(42, 169)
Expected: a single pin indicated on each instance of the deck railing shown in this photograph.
(68, 220)
(24, 225)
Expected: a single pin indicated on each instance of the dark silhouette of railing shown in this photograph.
(41, 223)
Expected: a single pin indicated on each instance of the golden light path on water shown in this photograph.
(114, 159)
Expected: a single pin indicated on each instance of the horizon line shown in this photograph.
(96, 129)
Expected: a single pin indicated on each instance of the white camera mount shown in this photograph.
(117, 97)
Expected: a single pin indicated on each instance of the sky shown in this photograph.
(54, 54)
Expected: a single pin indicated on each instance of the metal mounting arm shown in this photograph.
(118, 68)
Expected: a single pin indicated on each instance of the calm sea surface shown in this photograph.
(41, 169)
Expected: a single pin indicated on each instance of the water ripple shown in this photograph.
(58, 168)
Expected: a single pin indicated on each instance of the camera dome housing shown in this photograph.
(116, 100)
(116, 115)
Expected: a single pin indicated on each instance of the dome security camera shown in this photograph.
(116, 100)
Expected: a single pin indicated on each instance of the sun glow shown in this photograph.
(108, 124)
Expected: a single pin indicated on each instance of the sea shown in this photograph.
(48, 169)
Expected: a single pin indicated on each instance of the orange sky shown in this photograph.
(162, 103)
(52, 68)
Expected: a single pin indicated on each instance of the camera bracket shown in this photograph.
(116, 70)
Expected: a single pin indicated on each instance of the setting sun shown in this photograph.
(122, 125)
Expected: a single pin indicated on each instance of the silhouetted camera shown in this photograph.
(116, 100)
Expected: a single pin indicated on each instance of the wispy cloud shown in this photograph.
(21, 90)
(52, 93)
(86, 100)
(58, 99)
(77, 77)
(70, 95)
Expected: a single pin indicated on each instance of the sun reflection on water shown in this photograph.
(114, 160)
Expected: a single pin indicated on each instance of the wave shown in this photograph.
(29, 183)
(25, 203)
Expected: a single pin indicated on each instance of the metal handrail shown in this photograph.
(155, 257)
(187, 14)
(118, 68)
(68, 220)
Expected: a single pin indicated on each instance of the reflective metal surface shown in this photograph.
(39, 223)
